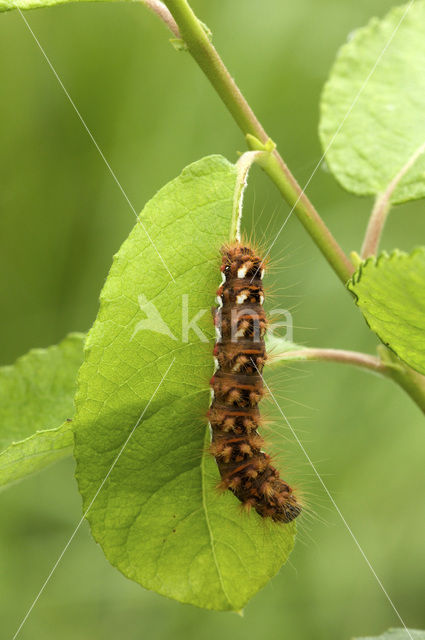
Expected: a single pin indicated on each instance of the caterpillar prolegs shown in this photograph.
(237, 386)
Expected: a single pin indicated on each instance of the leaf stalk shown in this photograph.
(382, 207)
(386, 364)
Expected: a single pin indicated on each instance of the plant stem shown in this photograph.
(382, 208)
(163, 13)
(243, 165)
(355, 358)
(277, 170)
(375, 226)
(412, 382)
(205, 54)
(391, 367)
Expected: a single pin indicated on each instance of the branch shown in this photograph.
(387, 364)
(355, 358)
(200, 47)
(163, 13)
(204, 53)
(382, 207)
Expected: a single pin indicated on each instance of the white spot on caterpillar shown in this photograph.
(242, 272)
(262, 273)
(219, 298)
(261, 298)
(240, 333)
(240, 299)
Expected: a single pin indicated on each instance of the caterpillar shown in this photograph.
(237, 387)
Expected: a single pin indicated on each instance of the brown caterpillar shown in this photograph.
(238, 387)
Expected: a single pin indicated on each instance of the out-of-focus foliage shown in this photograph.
(36, 397)
(385, 127)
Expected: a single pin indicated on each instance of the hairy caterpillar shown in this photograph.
(237, 387)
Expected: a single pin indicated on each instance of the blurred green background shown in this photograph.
(62, 218)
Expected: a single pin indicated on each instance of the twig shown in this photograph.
(355, 358)
(205, 54)
(388, 365)
(164, 14)
(382, 207)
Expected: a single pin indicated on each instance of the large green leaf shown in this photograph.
(158, 516)
(36, 397)
(398, 634)
(386, 125)
(390, 293)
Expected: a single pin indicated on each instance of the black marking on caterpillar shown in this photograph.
(237, 388)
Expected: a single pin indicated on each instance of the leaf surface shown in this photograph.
(36, 397)
(390, 293)
(372, 125)
(158, 516)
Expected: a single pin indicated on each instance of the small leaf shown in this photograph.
(398, 634)
(390, 293)
(158, 516)
(36, 397)
(385, 128)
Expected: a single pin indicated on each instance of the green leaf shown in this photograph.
(36, 397)
(158, 516)
(390, 292)
(8, 5)
(398, 634)
(27, 456)
(384, 131)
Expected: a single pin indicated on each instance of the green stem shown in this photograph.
(159, 8)
(375, 227)
(413, 383)
(410, 380)
(205, 54)
(243, 165)
(382, 207)
(354, 358)
(389, 366)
